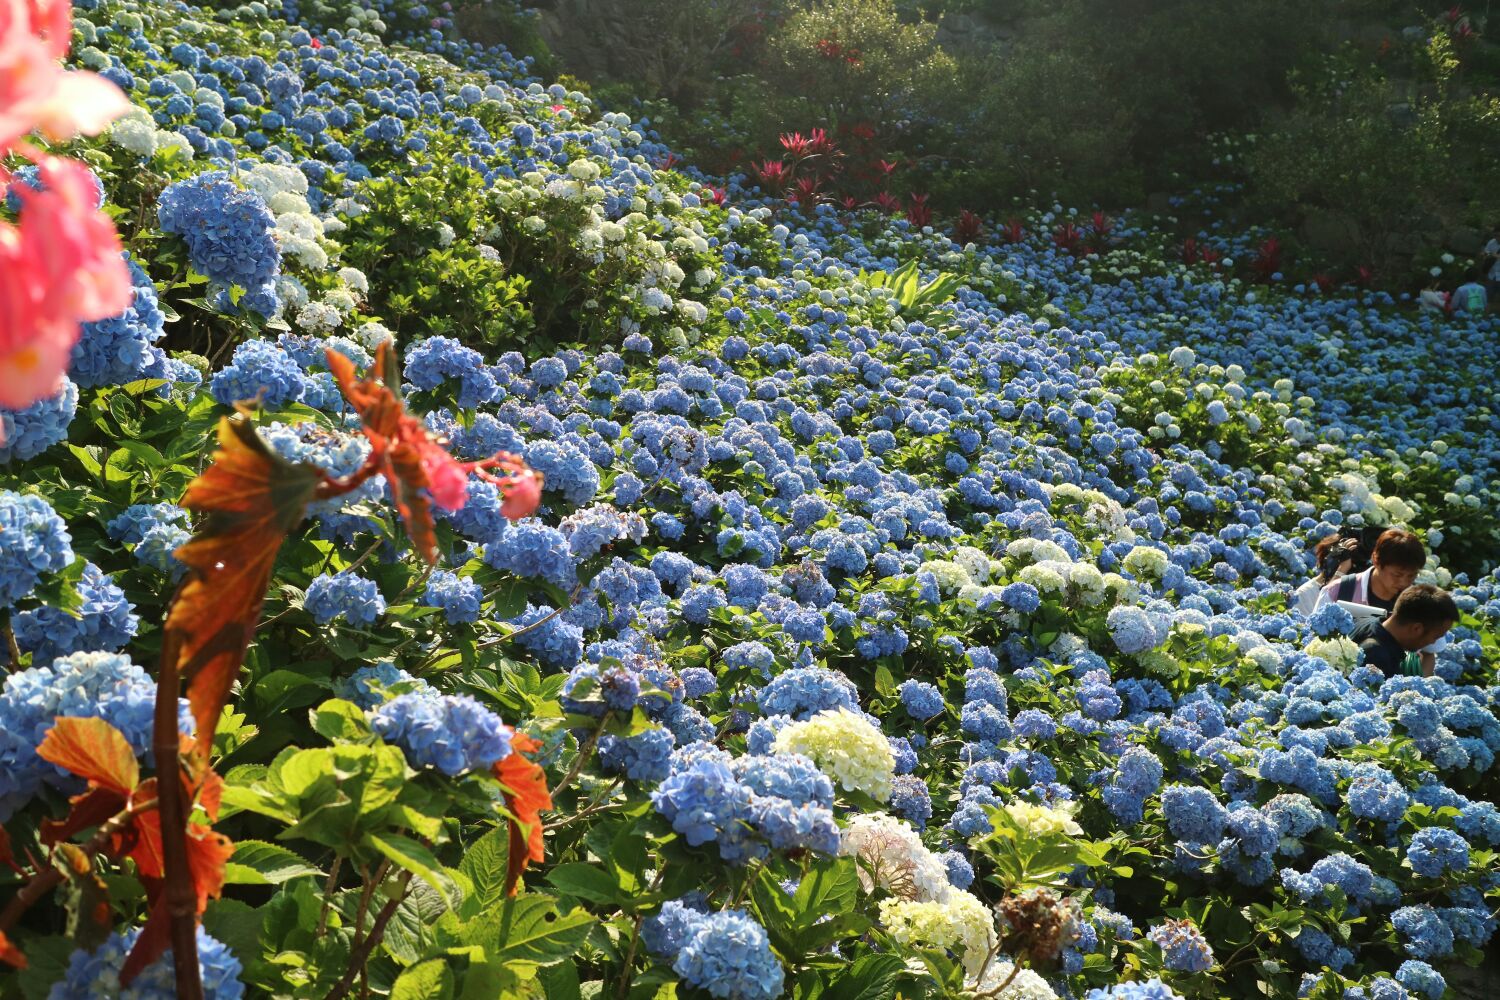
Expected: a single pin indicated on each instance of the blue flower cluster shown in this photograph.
(452, 733)
(348, 596)
(106, 686)
(104, 623)
(229, 235)
(93, 974)
(725, 952)
(34, 542)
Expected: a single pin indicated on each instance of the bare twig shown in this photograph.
(361, 953)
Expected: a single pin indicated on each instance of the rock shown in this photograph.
(1465, 241)
(1331, 232)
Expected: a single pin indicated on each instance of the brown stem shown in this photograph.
(44, 882)
(584, 753)
(328, 888)
(180, 898)
(11, 646)
(361, 952)
(572, 596)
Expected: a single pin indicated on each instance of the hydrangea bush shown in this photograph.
(867, 648)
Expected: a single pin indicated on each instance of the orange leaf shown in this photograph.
(10, 954)
(396, 440)
(90, 809)
(207, 851)
(253, 499)
(95, 751)
(527, 797)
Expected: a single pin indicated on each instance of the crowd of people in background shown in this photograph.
(1398, 624)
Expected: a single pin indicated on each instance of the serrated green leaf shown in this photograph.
(585, 881)
(429, 980)
(256, 862)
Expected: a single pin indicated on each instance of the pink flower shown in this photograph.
(36, 93)
(523, 494)
(447, 478)
(61, 266)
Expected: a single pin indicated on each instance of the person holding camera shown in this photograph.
(1422, 615)
(1398, 557)
(1337, 555)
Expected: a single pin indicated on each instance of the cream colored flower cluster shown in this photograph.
(847, 748)
(924, 910)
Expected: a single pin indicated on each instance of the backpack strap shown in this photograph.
(1346, 587)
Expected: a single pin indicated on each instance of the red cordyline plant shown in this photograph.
(1014, 231)
(1267, 260)
(1323, 281)
(887, 203)
(1069, 237)
(968, 228)
(250, 500)
(1192, 253)
(1100, 228)
(919, 213)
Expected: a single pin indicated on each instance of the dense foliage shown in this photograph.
(904, 614)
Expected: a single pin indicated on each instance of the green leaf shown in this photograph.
(527, 931)
(238, 925)
(340, 720)
(872, 977)
(585, 881)
(256, 862)
(827, 889)
(429, 980)
(412, 856)
(484, 863)
(46, 963)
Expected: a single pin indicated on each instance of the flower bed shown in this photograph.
(867, 647)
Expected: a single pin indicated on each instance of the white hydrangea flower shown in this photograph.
(847, 748)
(1145, 562)
(951, 576)
(318, 317)
(960, 923)
(372, 335)
(1338, 651)
(1042, 821)
(892, 856)
(135, 133)
(974, 562)
(355, 279)
(1026, 985)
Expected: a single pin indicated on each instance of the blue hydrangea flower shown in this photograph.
(106, 686)
(33, 542)
(921, 700)
(372, 685)
(533, 550)
(260, 370)
(25, 434)
(803, 692)
(105, 623)
(458, 596)
(452, 733)
(1422, 979)
(1193, 814)
(229, 234)
(344, 595)
(1150, 989)
(645, 757)
(96, 974)
(728, 955)
(121, 349)
(1183, 947)
(1434, 851)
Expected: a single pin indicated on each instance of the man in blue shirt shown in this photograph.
(1422, 615)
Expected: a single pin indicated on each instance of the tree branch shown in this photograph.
(361, 952)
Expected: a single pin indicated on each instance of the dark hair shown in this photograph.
(1425, 605)
(1397, 548)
